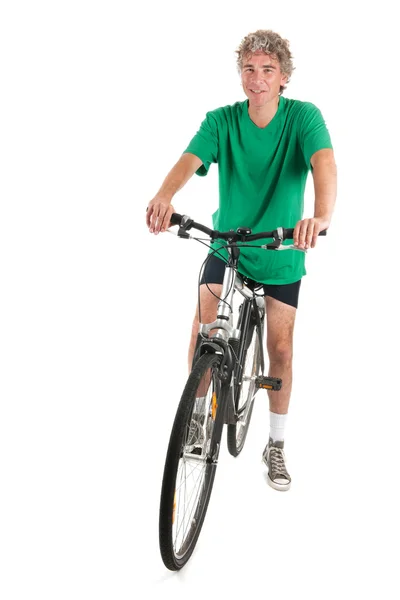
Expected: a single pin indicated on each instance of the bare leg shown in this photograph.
(280, 326)
(208, 307)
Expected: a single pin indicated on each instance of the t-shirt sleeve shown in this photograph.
(205, 144)
(312, 131)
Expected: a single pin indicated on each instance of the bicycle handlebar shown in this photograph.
(243, 234)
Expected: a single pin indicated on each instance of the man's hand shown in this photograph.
(160, 209)
(306, 232)
(158, 214)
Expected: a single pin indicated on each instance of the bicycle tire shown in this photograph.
(174, 553)
(251, 363)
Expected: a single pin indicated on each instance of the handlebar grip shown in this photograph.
(289, 233)
(176, 219)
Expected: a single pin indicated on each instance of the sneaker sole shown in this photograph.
(276, 486)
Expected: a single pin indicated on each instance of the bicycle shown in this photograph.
(227, 371)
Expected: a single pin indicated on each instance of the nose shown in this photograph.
(257, 78)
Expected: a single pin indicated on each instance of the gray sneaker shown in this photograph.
(274, 457)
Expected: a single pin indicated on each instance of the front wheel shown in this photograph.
(190, 463)
(245, 394)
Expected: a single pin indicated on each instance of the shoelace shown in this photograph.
(278, 461)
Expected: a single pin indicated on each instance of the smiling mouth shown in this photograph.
(257, 91)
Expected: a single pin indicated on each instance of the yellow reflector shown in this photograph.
(174, 509)
(214, 405)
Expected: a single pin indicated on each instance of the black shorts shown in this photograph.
(288, 294)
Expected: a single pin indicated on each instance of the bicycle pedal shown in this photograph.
(268, 383)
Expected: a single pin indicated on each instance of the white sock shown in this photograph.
(277, 426)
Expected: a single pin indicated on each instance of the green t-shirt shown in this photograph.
(262, 177)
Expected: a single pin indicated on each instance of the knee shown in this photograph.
(281, 352)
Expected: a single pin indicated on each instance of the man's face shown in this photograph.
(261, 78)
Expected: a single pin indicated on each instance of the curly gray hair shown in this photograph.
(271, 43)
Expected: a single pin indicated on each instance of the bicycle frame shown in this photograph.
(226, 339)
(227, 336)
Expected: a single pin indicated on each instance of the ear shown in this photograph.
(284, 79)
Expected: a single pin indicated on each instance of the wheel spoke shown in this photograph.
(191, 479)
(188, 514)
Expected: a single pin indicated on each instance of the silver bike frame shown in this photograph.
(224, 321)
(232, 282)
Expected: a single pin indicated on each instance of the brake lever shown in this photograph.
(292, 247)
(278, 239)
(186, 223)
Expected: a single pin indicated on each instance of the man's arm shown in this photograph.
(325, 182)
(160, 209)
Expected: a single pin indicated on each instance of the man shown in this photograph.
(264, 147)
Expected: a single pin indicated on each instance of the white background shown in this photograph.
(98, 101)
